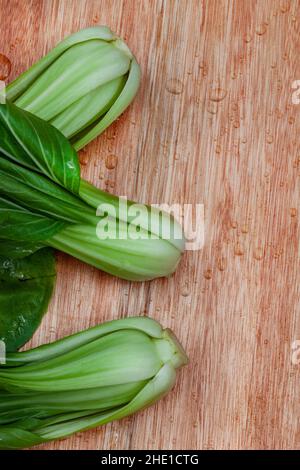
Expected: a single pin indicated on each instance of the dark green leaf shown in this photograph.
(18, 224)
(35, 193)
(26, 286)
(37, 145)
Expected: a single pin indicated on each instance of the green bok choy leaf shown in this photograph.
(81, 86)
(85, 380)
(44, 202)
(26, 286)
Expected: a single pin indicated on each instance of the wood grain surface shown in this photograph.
(213, 123)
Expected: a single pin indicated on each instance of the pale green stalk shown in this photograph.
(81, 86)
(86, 380)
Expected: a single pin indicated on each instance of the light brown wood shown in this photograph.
(229, 139)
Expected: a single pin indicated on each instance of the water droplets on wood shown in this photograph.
(238, 249)
(208, 274)
(111, 161)
(245, 229)
(185, 291)
(212, 107)
(221, 263)
(258, 253)
(5, 67)
(217, 94)
(218, 149)
(83, 158)
(261, 29)
(285, 6)
(174, 86)
(110, 184)
(247, 38)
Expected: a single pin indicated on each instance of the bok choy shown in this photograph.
(44, 202)
(81, 86)
(26, 286)
(82, 381)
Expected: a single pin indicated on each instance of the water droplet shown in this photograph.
(208, 274)
(261, 30)
(278, 252)
(247, 38)
(212, 107)
(218, 149)
(174, 86)
(273, 65)
(111, 162)
(83, 158)
(258, 253)
(244, 140)
(291, 120)
(296, 163)
(221, 263)
(293, 212)
(233, 224)
(285, 6)
(245, 228)
(185, 290)
(236, 124)
(110, 184)
(238, 249)
(269, 139)
(223, 131)
(5, 67)
(217, 94)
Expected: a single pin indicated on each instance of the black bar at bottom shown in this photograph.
(140, 458)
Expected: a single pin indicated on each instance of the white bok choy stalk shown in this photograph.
(81, 86)
(85, 380)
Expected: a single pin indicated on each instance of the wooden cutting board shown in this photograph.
(213, 123)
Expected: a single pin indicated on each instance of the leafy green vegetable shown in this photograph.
(85, 380)
(43, 202)
(26, 286)
(81, 86)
